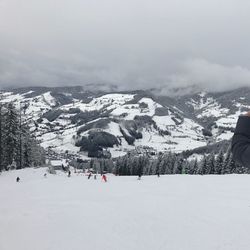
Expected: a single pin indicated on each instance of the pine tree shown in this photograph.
(186, 169)
(211, 164)
(200, 166)
(226, 163)
(178, 166)
(205, 166)
(231, 165)
(2, 134)
(141, 165)
(162, 165)
(152, 167)
(219, 163)
(168, 161)
(194, 167)
(157, 165)
(17, 147)
(11, 128)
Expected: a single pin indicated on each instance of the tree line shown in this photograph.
(171, 163)
(18, 148)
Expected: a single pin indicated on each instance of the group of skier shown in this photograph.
(90, 174)
(104, 177)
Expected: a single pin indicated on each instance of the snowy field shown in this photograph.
(166, 213)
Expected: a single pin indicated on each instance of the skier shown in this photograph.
(139, 176)
(17, 179)
(63, 168)
(95, 177)
(158, 174)
(104, 177)
(45, 175)
(241, 141)
(69, 173)
(89, 176)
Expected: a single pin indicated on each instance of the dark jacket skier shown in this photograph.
(241, 141)
(17, 179)
(63, 168)
(69, 173)
(139, 175)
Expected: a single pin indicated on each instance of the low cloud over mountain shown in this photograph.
(132, 44)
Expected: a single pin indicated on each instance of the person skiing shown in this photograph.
(69, 173)
(63, 168)
(17, 179)
(139, 176)
(241, 141)
(89, 176)
(140, 171)
(95, 176)
(104, 178)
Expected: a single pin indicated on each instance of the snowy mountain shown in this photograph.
(89, 122)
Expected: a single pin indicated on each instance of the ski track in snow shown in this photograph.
(170, 212)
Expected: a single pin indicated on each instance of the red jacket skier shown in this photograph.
(104, 177)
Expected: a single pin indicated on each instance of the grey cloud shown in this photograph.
(133, 44)
(205, 75)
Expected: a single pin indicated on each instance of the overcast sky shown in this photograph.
(131, 43)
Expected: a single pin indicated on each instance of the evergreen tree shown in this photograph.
(2, 134)
(17, 147)
(11, 137)
(219, 163)
(226, 163)
(231, 165)
(186, 167)
(178, 166)
(194, 167)
(162, 165)
(205, 168)
(200, 166)
(211, 164)
(169, 161)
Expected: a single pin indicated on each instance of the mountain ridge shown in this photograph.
(92, 123)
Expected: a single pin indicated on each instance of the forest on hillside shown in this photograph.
(18, 147)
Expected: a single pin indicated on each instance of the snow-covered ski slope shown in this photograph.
(166, 213)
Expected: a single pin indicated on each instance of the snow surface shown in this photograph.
(110, 101)
(170, 212)
(132, 110)
(49, 99)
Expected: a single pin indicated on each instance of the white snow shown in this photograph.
(109, 101)
(49, 99)
(163, 121)
(132, 110)
(57, 162)
(202, 102)
(209, 106)
(228, 121)
(170, 212)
